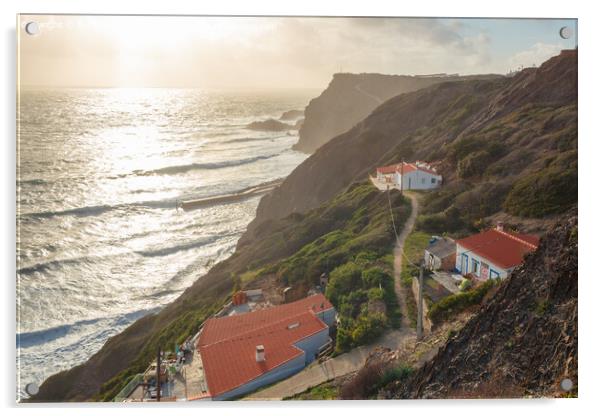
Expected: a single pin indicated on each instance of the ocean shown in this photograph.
(99, 173)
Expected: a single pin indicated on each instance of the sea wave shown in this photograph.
(166, 251)
(33, 338)
(31, 182)
(177, 169)
(94, 210)
(155, 252)
(50, 265)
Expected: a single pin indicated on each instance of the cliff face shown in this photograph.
(523, 341)
(348, 99)
(531, 117)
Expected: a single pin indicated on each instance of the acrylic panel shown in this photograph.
(307, 208)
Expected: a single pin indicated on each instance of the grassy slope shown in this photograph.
(491, 140)
(298, 249)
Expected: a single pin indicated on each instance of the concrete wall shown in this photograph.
(285, 370)
(446, 263)
(427, 325)
(464, 264)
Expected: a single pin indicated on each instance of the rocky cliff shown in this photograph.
(523, 342)
(485, 134)
(349, 98)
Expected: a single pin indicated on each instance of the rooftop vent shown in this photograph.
(293, 325)
(500, 226)
(259, 353)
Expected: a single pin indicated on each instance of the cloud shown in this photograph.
(281, 52)
(534, 56)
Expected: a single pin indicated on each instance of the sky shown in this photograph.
(272, 52)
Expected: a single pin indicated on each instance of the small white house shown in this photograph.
(493, 253)
(418, 175)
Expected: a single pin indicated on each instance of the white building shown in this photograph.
(493, 253)
(418, 175)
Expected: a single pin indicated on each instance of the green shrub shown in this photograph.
(465, 285)
(375, 277)
(449, 221)
(342, 280)
(368, 327)
(453, 304)
(376, 293)
(552, 190)
(399, 372)
(473, 164)
(364, 258)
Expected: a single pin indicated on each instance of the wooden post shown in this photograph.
(159, 374)
(419, 300)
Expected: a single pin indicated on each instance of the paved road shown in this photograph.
(318, 373)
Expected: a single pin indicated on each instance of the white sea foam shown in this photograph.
(100, 243)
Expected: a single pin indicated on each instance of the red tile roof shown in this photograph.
(218, 329)
(227, 345)
(404, 168)
(502, 248)
(385, 170)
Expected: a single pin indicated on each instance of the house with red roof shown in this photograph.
(493, 253)
(418, 175)
(241, 353)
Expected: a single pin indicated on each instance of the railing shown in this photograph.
(129, 388)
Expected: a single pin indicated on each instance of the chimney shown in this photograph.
(500, 226)
(259, 353)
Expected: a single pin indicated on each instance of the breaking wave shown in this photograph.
(172, 170)
(33, 338)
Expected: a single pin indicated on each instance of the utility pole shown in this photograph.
(419, 313)
(401, 185)
(159, 374)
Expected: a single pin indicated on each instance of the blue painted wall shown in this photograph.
(312, 344)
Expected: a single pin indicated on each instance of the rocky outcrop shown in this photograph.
(349, 98)
(523, 341)
(291, 115)
(269, 125)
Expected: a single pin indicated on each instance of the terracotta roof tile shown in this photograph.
(502, 248)
(227, 345)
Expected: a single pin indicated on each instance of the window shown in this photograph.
(493, 274)
(423, 180)
(474, 266)
(433, 180)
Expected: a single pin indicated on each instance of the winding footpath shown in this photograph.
(397, 261)
(320, 372)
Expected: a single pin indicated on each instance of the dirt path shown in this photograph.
(397, 263)
(318, 373)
